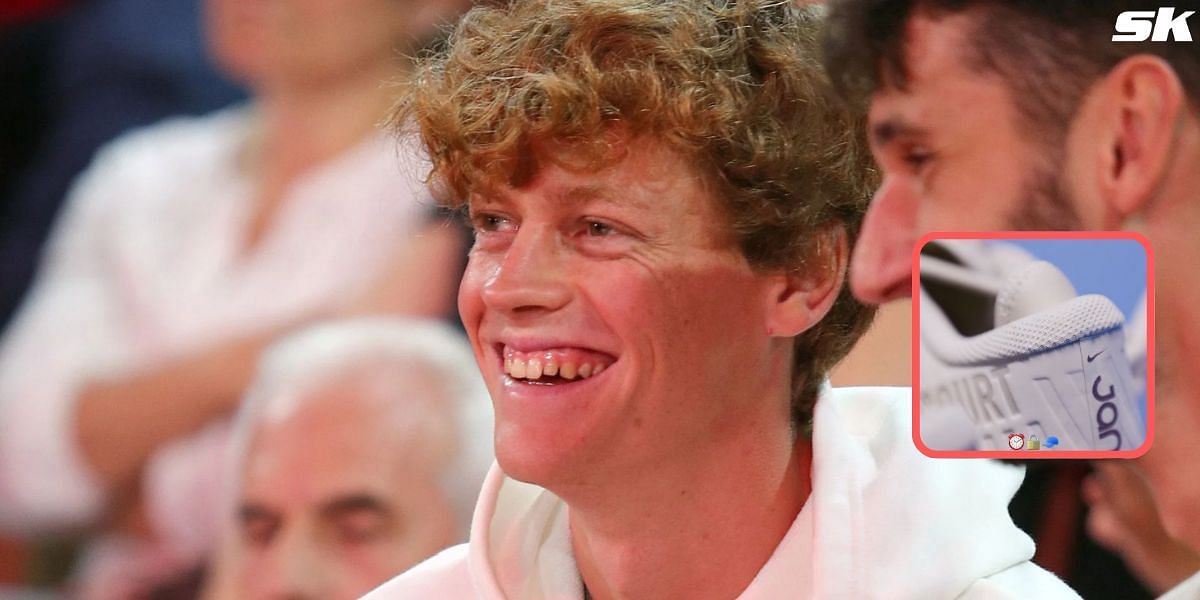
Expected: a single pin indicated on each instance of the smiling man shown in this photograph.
(663, 196)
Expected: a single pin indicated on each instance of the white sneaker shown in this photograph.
(1007, 346)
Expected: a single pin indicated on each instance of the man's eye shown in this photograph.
(259, 531)
(489, 222)
(916, 158)
(361, 527)
(598, 229)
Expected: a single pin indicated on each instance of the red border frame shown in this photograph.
(1037, 235)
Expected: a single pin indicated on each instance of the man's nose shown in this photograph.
(532, 275)
(881, 268)
(296, 571)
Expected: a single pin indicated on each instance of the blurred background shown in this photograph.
(74, 75)
(186, 188)
(1112, 268)
(165, 167)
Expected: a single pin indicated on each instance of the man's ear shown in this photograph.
(799, 299)
(1145, 100)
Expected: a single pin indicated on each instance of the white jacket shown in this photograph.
(1189, 589)
(888, 523)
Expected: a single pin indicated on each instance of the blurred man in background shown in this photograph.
(360, 451)
(997, 115)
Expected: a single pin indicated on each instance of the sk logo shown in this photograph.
(1161, 26)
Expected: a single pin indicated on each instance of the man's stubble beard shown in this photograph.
(1046, 204)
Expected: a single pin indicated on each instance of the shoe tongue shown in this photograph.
(1033, 288)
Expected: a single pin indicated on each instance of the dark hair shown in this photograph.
(1048, 51)
(734, 85)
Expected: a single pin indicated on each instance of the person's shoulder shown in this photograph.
(174, 140)
(1189, 589)
(1025, 580)
(912, 505)
(869, 409)
(880, 421)
(885, 398)
(443, 575)
(148, 166)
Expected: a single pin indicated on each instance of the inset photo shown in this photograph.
(1033, 345)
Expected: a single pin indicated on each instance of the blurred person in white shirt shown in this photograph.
(190, 246)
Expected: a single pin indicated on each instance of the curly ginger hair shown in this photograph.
(735, 85)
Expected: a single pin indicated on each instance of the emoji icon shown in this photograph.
(1016, 441)
(1033, 443)
(1051, 442)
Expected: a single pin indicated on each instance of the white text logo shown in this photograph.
(1163, 26)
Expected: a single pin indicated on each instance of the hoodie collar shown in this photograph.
(883, 521)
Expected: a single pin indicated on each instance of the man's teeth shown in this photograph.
(536, 368)
(567, 371)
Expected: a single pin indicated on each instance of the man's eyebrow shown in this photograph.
(352, 503)
(575, 195)
(582, 194)
(579, 195)
(889, 129)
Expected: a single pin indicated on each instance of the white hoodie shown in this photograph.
(1189, 589)
(883, 521)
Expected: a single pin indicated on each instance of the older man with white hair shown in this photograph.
(360, 450)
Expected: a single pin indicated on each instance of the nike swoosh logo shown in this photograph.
(1092, 357)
